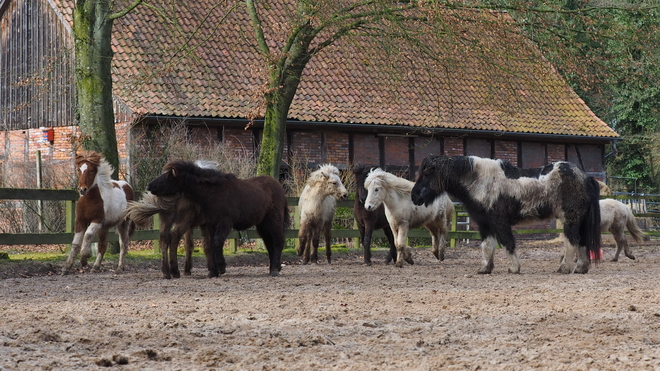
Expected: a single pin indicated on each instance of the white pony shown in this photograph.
(386, 188)
(615, 217)
(317, 205)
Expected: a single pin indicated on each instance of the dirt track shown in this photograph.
(346, 316)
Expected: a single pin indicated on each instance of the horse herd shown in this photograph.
(496, 195)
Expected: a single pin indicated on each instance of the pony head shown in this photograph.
(172, 180)
(91, 166)
(376, 191)
(361, 172)
(428, 186)
(326, 180)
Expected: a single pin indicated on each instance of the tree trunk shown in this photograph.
(92, 31)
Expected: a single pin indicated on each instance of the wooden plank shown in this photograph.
(38, 194)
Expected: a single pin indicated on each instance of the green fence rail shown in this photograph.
(71, 196)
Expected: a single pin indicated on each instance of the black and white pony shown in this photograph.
(498, 195)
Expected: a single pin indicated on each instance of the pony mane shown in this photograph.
(92, 157)
(200, 174)
(323, 171)
(105, 170)
(361, 169)
(400, 185)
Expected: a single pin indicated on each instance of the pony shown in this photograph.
(604, 190)
(178, 216)
(317, 204)
(100, 207)
(498, 195)
(394, 192)
(228, 202)
(369, 221)
(615, 217)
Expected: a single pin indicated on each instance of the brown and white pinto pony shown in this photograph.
(100, 207)
(498, 195)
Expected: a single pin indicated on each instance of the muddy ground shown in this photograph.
(344, 316)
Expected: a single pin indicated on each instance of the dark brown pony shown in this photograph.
(100, 207)
(369, 221)
(228, 202)
(178, 216)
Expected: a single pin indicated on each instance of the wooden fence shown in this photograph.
(71, 196)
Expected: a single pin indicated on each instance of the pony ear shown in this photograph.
(174, 172)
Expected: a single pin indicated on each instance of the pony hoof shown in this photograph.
(514, 271)
(167, 277)
(274, 273)
(65, 272)
(367, 264)
(439, 256)
(631, 256)
(614, 260)
(409, 261)
(582, 269)
(399, 264)
(563, 269)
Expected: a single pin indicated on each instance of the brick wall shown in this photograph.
(336, 148)
(454, 146)
(241, 141)
(306, 147)
(427, 146)
(365, 149)
(556, 152)
(396, 151)
(507, 151)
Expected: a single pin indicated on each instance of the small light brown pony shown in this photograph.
(100, 207)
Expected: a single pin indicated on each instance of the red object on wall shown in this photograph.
(49, 134)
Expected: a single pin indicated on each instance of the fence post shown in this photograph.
(356, 240)
(157, 227)
(69, 219)
(454, 226)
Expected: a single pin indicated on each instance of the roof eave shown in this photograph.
(398, 129)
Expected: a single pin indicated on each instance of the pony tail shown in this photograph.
(590, 227)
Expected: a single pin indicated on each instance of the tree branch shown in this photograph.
(126, 10)
(258, 29)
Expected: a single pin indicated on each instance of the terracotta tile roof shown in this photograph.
(219, 74)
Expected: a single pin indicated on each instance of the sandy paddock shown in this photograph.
(344, 316)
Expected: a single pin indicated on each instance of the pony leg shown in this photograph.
(390, 239)
(179, 229)
(487, 251)
(123, 230)
(190, 246)
(365, 239)
(314, 258)
(165, 240)
(619, 243)
(328, 243)
(402, 251)
(207, 234)
(91, 231)
(571, 248)
(437, 241)
(75, 249)
(274, 239)
(103, 245)
(219, 236)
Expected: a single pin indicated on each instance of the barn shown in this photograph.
(362, 100)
